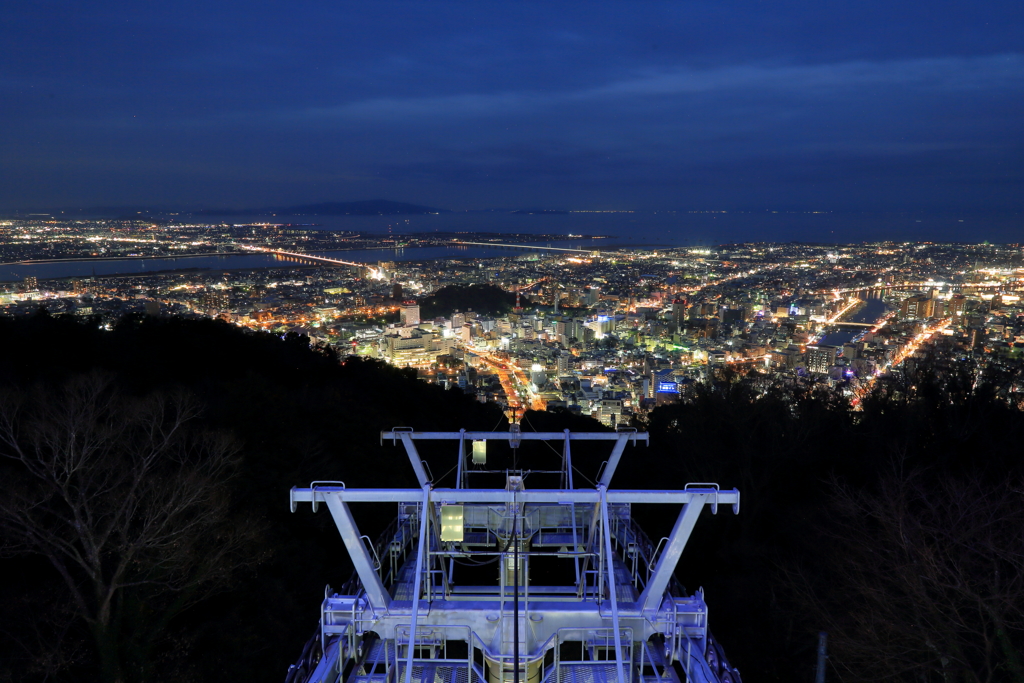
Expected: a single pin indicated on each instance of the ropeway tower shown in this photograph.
(513, 584)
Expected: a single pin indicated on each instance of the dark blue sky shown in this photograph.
(646, 105)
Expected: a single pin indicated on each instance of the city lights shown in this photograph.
(591, 334)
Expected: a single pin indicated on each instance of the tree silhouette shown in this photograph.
(127, 501)
(925, 581)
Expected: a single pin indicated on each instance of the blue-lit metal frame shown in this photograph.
(647, 610)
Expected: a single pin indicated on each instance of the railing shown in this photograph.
(596, 649)
(389, 551)
(435, 641)
(650, 667)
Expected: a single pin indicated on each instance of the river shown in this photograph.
(868, 313)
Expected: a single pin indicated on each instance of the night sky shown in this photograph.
(863, 106)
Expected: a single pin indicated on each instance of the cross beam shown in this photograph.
(398, 434)
(710, 495)
(693, 499)
(407, 436)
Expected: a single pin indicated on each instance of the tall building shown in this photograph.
(410, 314)
(538, 378)
(820, 359)
(216, 299)
(601, 326)
(678, 313)
(564, 363)
(31, 282)
(955, 306)
(917, 308)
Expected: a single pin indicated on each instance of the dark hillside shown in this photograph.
(850, 520)
(821, 486)
(299, 414)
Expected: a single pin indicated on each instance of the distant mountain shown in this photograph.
(372, 207)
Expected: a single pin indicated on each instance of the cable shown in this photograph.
(446, 473)
(515, 585)
(575, 469)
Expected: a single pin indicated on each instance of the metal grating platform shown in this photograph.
(587, 673)
(425, 672)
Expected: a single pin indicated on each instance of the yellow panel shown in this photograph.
(451, 523)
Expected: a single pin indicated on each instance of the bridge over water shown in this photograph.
(527, 247)
(372, 271)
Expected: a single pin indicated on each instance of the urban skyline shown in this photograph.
(605, 331)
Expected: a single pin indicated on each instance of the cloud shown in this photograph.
(935, 75)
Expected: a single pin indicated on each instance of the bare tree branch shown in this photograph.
(119, 494)
(930, 574)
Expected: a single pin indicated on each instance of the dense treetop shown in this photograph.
(483, 299)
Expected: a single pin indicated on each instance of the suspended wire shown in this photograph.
(447, 473)
(553, 450)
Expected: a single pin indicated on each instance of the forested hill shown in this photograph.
(482, 299)
(293, 414)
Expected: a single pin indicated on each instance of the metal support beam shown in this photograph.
(595, 517)
(470, 496)
(567, 463)
(613, 461)
(414, 457)
(376, 593)
(654, 591)
(508, 436)
(462, 459)
(606, 531)
(418, 583)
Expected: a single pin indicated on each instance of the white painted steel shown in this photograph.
(500, 496)
(592, 521)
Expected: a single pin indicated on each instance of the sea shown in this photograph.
(649, 230)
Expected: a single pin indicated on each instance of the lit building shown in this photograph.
(411, 346)
(917, 308)
(602, 326)
(667, 393)
(955, 305)
(538, 377)
(410, 314)
(820, 359)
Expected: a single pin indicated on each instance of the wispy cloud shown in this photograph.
(947, 74)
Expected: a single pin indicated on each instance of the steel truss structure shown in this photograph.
(453, 591)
